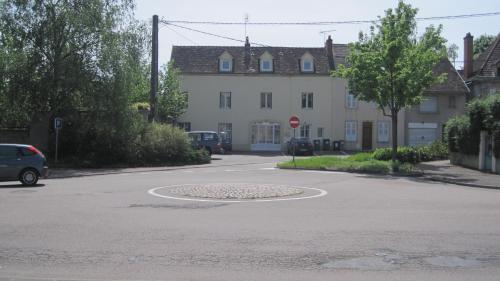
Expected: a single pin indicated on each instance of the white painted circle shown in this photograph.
(153, 192)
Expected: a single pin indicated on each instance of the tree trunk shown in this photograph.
(394, 118)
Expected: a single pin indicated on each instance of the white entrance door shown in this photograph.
(266, 137)
(421, 133)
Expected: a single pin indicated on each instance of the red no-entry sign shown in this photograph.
(294, 121)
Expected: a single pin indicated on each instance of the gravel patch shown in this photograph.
(235, 191)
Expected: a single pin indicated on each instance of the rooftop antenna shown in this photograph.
(324, 32)
(246, 21)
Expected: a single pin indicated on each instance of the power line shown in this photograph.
(211, 34)
(181, 35)
(452, 17)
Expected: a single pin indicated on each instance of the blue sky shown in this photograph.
(300, 11)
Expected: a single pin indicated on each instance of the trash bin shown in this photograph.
(326, 144)
(317, 145)
(336, 145)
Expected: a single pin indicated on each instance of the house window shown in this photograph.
(452, 102)
(266, 65)
(351, 131)
(225, 131)
(320, 132)
(383, 131)
(305, 130)
(429, 105)
(225, 100)
(266, 100)
(307, 65)
(186, 126)
(307, 100)
(225, 65)
(351, 101)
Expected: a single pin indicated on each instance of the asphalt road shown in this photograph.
(109, 227)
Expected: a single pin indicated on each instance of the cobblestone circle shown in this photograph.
(235, 191)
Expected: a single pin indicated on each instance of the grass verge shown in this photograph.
(360, 162)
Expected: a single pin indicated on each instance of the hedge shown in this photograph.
(407, 154)
(463, 132)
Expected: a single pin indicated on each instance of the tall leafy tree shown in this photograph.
(172, 101)
(392, 66)
(482, 43)
(452, 52)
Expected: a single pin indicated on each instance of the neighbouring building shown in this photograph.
(483, 73)
(250, 93)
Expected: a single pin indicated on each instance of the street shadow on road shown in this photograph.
(20, 186)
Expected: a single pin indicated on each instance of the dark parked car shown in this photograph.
(22, 162)
(303, 146)
(206, 140)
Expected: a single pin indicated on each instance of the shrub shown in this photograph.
(163, 143)
(374, 166)
(408, 154)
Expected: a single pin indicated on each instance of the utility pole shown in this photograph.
(154, 72)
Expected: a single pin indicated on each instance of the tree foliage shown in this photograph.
(452, 52)
(482, 43)
(172, 101)
(391, 65)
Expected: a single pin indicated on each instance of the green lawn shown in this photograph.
(360, 162)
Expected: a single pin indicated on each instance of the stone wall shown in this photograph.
(469, 161)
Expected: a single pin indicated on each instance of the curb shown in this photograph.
(450, 181)
(415, 175)
(151, 169)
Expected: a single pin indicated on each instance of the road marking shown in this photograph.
(234, 170)
(145, 173)
(272, 168)
(153, 192)
(188, 171)
(323, 172)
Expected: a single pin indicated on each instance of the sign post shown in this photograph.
(294, 123)
(57, 126)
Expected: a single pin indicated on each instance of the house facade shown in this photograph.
(251, 92)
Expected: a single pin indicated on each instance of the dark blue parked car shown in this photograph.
(22, 162)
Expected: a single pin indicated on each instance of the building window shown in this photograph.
(305, 130)
(351, 131)
(225, 131)
(225, 100)
(383, 131)
(429, 105)
(225, 63)
(307, 100)
(307, 65)
(266, 100)
(320, 132)
(266, 65)
(452, 102)
(186, 126)
(351, 100)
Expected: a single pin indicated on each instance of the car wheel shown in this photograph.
(28, 177)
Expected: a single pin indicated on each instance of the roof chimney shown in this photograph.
(329, 52)
(468, 60)
(247, 52)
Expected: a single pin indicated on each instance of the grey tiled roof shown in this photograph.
(204, 59)
(453, 82)
(487, 62)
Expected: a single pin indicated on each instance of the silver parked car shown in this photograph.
(22, 162)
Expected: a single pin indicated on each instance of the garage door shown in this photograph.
(421, 136)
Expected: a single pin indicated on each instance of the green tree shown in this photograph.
(482, 43)
(452, 52)
(392, 66)
(172, 101)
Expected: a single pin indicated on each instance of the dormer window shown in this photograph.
(266, 62)
(307, 63)
(225, 62)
